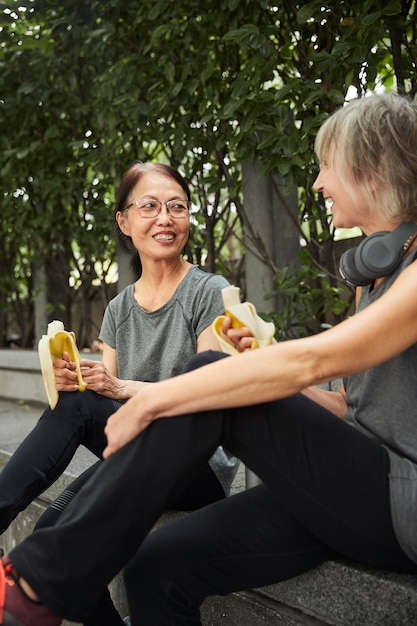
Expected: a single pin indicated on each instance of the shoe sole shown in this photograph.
(9, 620)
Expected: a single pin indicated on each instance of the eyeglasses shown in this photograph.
(148, 207)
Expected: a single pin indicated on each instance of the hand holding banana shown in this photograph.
(58, 344)
(242, 315)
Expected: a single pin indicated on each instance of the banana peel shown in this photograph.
(54, 344)
(242, 314)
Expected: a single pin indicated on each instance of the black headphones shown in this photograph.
(378, 255)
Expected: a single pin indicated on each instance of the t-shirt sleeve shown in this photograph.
(210, 302)
(108, 326)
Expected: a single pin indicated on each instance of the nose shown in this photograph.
(318, 185)
(164, 216)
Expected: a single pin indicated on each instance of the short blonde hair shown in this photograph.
(372, 142)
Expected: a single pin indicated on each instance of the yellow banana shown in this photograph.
(53, 344)
(242, 314)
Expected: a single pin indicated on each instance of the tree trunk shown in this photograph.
(39, 287)
(270, 221)
(273, 219)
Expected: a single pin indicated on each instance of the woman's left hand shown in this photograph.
(124, 425)
(98, 378)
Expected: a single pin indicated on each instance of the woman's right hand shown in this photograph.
(241, 338)
(65, 375)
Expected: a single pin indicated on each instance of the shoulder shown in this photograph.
(206, 280)
(122, 298)
(120, 304)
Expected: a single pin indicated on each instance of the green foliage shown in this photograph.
(86, 88)
(310, 303)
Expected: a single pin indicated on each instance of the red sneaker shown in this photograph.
(16, 608)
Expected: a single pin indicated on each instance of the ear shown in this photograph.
(123, 222)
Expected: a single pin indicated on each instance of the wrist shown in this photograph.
(147, 403)
(128, 388)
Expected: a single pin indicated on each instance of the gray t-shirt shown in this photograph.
(383, 404)
(156, 345)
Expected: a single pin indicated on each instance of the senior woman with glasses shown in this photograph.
(149, 331)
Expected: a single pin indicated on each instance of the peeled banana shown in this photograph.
(242, 314)
(54, 344)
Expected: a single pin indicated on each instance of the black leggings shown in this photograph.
(325, 493)
(79, 419)
(203, 489)
(44, 454)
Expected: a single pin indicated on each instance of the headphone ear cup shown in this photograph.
(378, 255)
(349, 271)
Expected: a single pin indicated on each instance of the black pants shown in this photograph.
(203, 489)
(44, 454)
(325, 493)
(79, 419)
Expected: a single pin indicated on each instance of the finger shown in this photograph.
(107, 452)
(60, 363)
(227, 324)
(66, 379)
(62, 368)
(66, 387)
(66, 357)
(89, 373)
(245, 344)
(240, 337)
(89, 363)
(238, 333)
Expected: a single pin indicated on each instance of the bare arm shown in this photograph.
(102, 377)
(281, 369)
(207, 340)
(334, 401)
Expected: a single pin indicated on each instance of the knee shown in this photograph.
(68, 400)
(73, 401)
(72, 408)
(66, 403)
(203, 358)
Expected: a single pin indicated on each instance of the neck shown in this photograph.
(157, 272)
(155, 288)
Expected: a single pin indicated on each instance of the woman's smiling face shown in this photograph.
(348, 208)
(160, 237)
